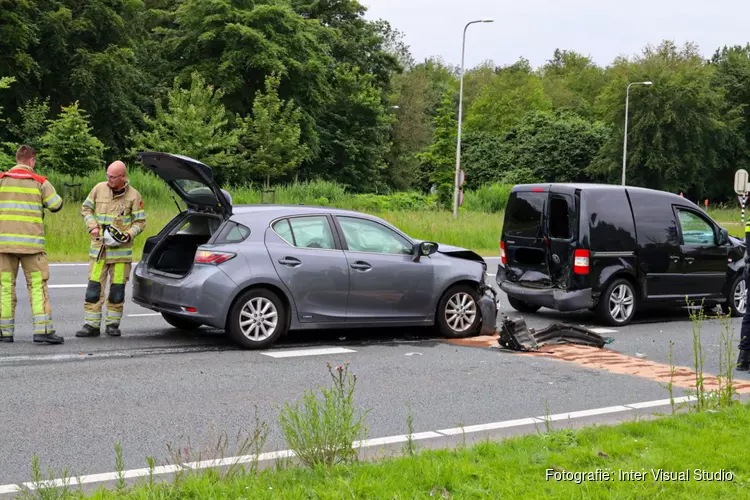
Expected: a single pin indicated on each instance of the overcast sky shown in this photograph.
(602, 29)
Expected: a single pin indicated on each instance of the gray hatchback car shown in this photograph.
(258, 271)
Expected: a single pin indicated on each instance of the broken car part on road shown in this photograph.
(515, 335)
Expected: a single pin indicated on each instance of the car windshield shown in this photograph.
(524, 214)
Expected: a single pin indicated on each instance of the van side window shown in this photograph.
(559, 218)
(695, 230)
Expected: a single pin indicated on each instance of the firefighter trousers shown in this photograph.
(100, 271)
(36, 271)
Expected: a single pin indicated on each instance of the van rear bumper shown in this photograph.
(552, 298)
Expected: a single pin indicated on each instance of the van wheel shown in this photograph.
(521, 306)
(736, 303)
(617, 304)
(458, 312)
(257, 319)
(180, 323)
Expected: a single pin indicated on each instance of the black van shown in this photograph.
(614, 249)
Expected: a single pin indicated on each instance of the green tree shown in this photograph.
(69, 147)
(677, 128)
(273, 134)
(34, 115)
(510, 94)
(439, 159)
(6, 161)
(194, 123)
(572, 81)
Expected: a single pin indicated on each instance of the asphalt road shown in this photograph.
(155, 385)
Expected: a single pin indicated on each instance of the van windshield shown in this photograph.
(524, 214)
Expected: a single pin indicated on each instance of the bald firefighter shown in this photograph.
(23, 197)
(114, 216)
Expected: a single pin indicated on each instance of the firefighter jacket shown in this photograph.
(123, 210)
(23, 197)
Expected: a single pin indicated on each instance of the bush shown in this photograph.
(489, 198)
(323, 432)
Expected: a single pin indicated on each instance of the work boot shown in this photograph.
(113, 330)
(88, 331)
(6, 338)
(743, 361)
(49, 338)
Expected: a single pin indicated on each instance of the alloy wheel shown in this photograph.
(621, 303)
(740, 297)
(460, 312)
(258, 319)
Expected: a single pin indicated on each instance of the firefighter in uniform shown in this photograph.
(114, 216)
(23, 198)
(743, 361)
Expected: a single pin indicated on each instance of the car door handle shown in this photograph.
(689, 260)
(675, 258)
(290, 261)
(361, 266)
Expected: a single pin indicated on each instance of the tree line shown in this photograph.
(268, 91)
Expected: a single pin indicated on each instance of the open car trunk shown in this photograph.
(174, 254)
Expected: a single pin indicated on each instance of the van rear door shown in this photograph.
(561, 231)
(524, 238)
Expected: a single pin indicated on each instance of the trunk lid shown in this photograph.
(191, 180)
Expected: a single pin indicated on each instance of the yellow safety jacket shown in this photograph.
(123, 210)
(23, 196)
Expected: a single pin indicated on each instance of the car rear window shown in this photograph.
(523, 215)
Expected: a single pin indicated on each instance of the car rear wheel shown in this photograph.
(617, 304)
(257, 319)
(180, 323)
(458, 312)
(736, 303)
(521, 306)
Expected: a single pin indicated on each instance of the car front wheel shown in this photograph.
(458, 312)
(257, 319)
(736, 304)
(617, 304)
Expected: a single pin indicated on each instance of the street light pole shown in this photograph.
(460, 116)
(625, 140)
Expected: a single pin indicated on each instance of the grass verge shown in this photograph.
(693, 455)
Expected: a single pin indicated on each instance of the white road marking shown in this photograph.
(143, 315)
(273, 455)
(491, 275)
(69, 264)
(68, 286)
(602, 330)
(283, 353)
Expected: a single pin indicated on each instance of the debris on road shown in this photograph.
(515, 335)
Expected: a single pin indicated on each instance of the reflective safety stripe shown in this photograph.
(118, 277)
(89, 203)
(96, 271)
(19, 190)
(6, 296)
(21, 239)
(116, 254)
(93, 253)
(37, 294)
(27, 205)
(136, 230)
(22, 218)
(53, 201)
(88, 218)
(42, 317)
(104, 218)
(93, 319)
(139, 215)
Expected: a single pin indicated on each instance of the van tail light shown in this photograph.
(208, 257)
(503, 257)
(581, 261)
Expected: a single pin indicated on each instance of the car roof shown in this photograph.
(583, 186)
(273, 211)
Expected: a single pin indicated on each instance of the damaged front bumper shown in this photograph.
(489, 307)
(516, 336)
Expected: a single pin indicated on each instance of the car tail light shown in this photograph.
(581, 261)
(503, 257)
(208, 257)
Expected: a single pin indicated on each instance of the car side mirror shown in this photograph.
(424, 249)
(723, 238)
